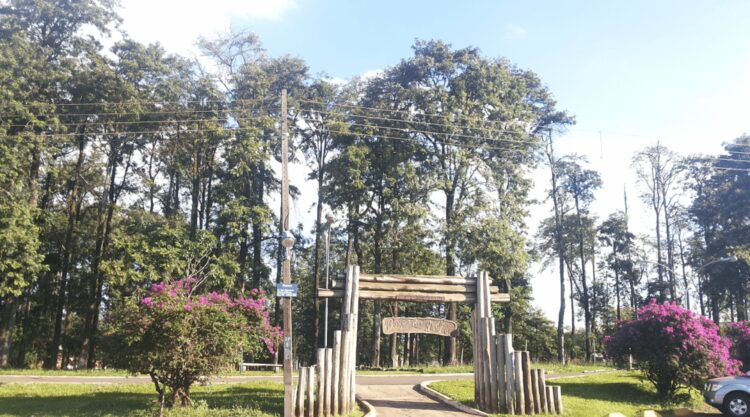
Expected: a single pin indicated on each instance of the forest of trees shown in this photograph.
(125, 165)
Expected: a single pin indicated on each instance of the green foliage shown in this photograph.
(673, 347)
(19, 249)
(178, 338)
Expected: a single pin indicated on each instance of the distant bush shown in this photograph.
(673, 347)
(177, 337)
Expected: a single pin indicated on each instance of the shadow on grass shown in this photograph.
(226, 399)
(267, 399)
(625, 391)
(90, 404)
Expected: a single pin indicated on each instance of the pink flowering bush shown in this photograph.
(739, 334)
(177, 337)
(673, 347)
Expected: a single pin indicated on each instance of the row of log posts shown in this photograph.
(504, 381)
(328, 388)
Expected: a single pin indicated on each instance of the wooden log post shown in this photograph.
(551, 399)
(302, 389)
(500, 366)
(353, 347)
(327, 383)
(493, 366)
(311, 392)
(344, 374)
(475, 351)
(519, 383)
(336, 373)
(557, 396)
(321, 380)
(295, 395)
(527, 392)
(543, 397)
(536, 405)
(509, 373)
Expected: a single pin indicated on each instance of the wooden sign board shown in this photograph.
(440, 327)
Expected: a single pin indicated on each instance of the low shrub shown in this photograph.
(178, 338)
(673, 346)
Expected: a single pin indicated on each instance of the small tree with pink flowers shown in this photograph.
(739, 334)
(673, 346)
(178, 337)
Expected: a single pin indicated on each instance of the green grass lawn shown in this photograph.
(596, 395)
(256, 399)
(115, 372)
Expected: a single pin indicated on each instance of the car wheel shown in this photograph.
(737, 404)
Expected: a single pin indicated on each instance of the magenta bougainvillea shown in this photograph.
(739, 334)
(177, 337)
(673, 346)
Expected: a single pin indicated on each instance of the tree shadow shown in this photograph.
(131, 404)
(626, 391)
(90, 404)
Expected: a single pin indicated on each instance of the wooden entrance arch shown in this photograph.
(503, 379)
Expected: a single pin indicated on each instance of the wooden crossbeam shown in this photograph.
(417, 279)
(417, 296)
(405, 286)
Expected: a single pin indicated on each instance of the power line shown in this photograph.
(420, 122)
(147, 112)
(457, 144)
(167, 122)
(139, 101)
(143, 132)
(461, 117)
(731, 169)
(441, 133)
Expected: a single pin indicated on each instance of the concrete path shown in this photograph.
(404, 401)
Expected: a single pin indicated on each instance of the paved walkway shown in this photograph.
(404, 401)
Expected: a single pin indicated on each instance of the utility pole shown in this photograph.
(286, 265)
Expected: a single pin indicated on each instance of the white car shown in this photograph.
(730, 394)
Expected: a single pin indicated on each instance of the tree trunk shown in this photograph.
(378, 265)
(560, 254)
(584, 289)
(25, 330)
(617, 279)
(7, 321)
(67, 253)
(259, 191)
(670, 249)
(195, 193)
(316, 257)
(450, 358)
(394, 338)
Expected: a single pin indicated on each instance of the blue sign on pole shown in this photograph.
(286, 290)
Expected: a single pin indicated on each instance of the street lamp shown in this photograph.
(329, 223)
(287, 241)
(716, 261)
(731, 258)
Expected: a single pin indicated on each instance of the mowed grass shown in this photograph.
(118, 372)
(597, 395)
(256, 399)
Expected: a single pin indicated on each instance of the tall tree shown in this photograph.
(580, 184)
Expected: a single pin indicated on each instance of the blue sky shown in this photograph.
(609, 63)
(632, 72)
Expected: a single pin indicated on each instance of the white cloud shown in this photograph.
(177, 24)
(513, 32)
